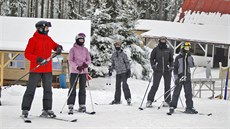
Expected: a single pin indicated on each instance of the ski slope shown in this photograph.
(115, 116)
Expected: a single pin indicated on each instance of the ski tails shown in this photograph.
(26, 120)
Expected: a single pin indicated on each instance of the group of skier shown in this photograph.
(39, 52)
(163, 64)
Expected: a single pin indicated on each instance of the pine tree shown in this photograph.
(112, 22)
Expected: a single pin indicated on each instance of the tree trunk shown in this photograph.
(60, 9)
(47, 11)
(36, 8)
(0, 8)
(42, 9)
(31, 9)
(52, 9)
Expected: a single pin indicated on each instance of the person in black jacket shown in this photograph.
(162, 64)
(182, 75)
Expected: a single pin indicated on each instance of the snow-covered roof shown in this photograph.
(208, 7)
(16, 31)
(203, 18)
(185, 32)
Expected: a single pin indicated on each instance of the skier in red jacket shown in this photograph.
(38, 51)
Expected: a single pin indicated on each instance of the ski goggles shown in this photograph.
(187, 44)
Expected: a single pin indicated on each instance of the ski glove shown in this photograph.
(41, 61)
(84, 65)
(80, 68)
(58, 50)
(110, 73)
(171, 68)
(177, 82)
(128, 73)
(154, 67)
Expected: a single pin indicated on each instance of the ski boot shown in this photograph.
(149, 104)
(115, 102)
(48, 113)
(82, 108)
(70, 110)
(171, 110)
(190, 111)
(25, 113)
(129, 101)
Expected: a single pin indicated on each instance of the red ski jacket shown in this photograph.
(40, 45)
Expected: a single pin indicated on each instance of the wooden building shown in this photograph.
(205, 23)
(14, 35)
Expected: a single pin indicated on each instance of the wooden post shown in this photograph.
(2, 68)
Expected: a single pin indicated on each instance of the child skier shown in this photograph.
(182, 74)
(79, 59)
(121, 64)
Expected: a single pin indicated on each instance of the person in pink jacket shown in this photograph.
(79, 59)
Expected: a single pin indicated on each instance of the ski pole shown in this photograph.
(226, 84)
(108, 82)
(171, 89)
(146, 92)
(48, 59)
(91, 100)
(71, 90)
(181, 102)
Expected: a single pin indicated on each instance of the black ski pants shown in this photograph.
(74, 77)
(156, 81)
(188, 94)
(121, 78)
(28, 97)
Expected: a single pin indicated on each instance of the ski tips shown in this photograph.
(140, 108)
(75, 120)
(209, 114)
(28, 121)
(92, 113)
(169, 113)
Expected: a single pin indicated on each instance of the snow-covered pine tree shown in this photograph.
(12, 8)
(115, 21)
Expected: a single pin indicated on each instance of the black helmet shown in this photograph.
(40, 26)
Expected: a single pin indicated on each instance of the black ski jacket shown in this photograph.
(161, 59)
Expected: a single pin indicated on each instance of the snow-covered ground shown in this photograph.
(116, 116)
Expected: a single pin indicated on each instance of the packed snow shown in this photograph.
(119, 116)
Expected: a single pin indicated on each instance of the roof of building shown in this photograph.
(16, 31)
(213, 9)
(199, 20)
(185, 32)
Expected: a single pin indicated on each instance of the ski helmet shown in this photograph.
(40, 26)
(80, 39)
(80, 36)
(185, 44)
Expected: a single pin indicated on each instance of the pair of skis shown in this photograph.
(86, 112)
(27, 120)
(199, 113)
